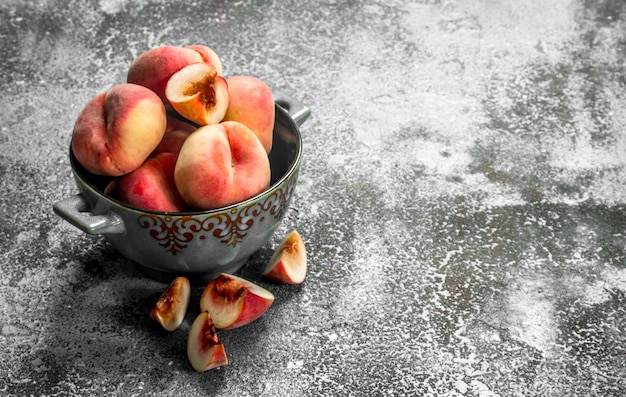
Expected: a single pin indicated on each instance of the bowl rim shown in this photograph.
(291, 170)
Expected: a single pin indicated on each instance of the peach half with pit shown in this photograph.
(198, 93)
(220, 165)
(117, 130)
(251, 103)
(234, 301)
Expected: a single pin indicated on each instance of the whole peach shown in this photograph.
(151, 186)
(251, 103)
(118, 129)
(221, 164)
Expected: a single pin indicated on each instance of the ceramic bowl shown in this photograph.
(198, 245)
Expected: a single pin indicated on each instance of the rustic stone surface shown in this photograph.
(462, 197)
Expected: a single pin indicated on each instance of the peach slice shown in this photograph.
(221, 164)
(208, 56)
(252, 103)
(204, 350)
(234, 301)
(288, 263)
(198, 93)
(154, 67)
(151, 186)
(171, 307)
(118, 129)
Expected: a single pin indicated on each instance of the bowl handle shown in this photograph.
(298, 112)
(74, 210)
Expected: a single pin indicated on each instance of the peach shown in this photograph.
(208, 56)
(154, 67)
(204, 350)
(177, 122)
(118, 129)
(198, 93)
(170, 309)
(221, 164)
(252, 104)
(172, 142)
(151, 186)
(233, 301)
(288, 263)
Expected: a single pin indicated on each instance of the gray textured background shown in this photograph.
(462, 197)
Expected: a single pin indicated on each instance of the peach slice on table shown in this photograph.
(198, 93)
(204, 350)
(151, 186)
(251, 103)
(118, 129)
(171, 307)
(221, 164)
(288, 264)
(234, 301)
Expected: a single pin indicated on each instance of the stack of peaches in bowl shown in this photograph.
(184, 171)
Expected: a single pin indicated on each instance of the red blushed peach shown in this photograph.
(251, 102)
(178, 123)
(154, 67)
(151, 186)
(172, 142)
(118, 129)
(208, 56)
(221, 164)
(198, 93)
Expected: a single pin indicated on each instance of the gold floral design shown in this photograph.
(175, 232)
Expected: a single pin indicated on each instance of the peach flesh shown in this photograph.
(288, 264)
(198, 94)
(234, 301)
(204, 350)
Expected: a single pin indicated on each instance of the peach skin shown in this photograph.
(251, 103)
(198, 93)
(151, 186)
(154, 67)
(118, 129)
(221, 164)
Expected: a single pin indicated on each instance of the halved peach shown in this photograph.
(234, 301)
(198, 93)
(288, 264)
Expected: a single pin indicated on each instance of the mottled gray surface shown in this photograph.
(462, 198)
